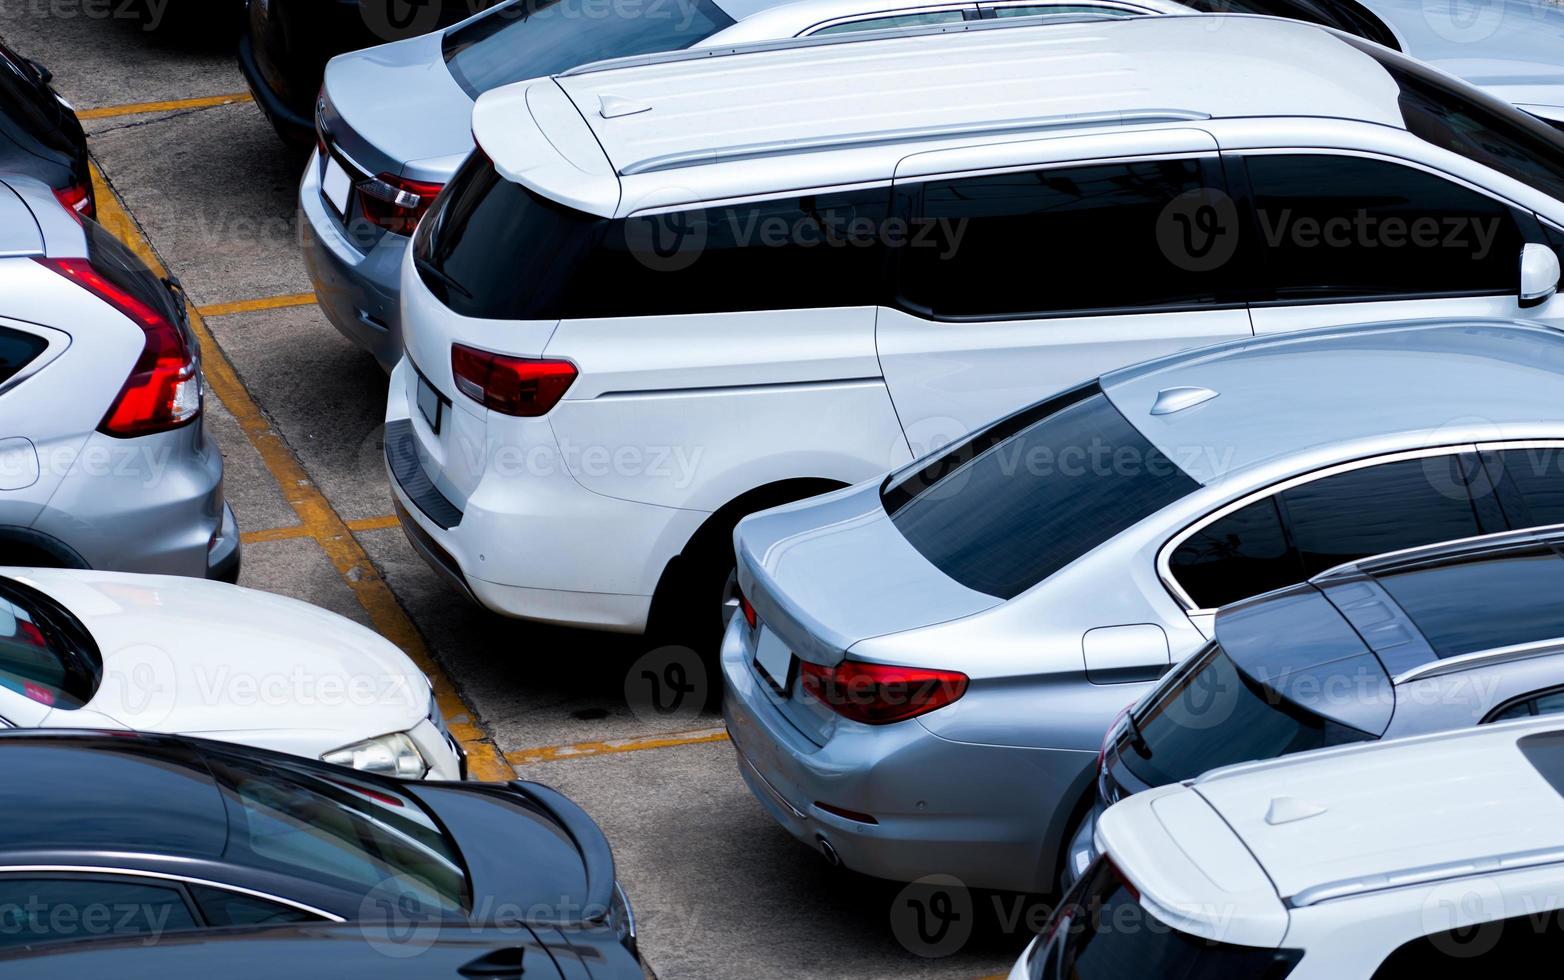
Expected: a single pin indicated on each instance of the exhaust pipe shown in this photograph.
(832, 858)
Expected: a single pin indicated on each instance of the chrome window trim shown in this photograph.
(1165, 553)
(1497, 655)
(164, 876)
(819, 26)
(1087, 161)
(1109, 4)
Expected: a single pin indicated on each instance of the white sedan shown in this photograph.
(105, 650)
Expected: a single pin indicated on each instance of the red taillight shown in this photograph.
(164, 388)
(522, 386)
(396, 203)
(876, 694)
(750, 616)
(77, 200)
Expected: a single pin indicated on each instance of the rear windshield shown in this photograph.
(120, 266)
(27, 103)
(1102, 932)
(1023, 498)
(365, 833)
(1476, 125)
(531, 38)
(1344, 15)
(1212, 714)
(1483, 604)
(46, 655)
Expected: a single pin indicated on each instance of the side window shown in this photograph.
(820, 250)
(1551, 703)
(17, 350)
(220, 907)
(1503, 947)
(1376, 509)
(36, 910)
(1237, 556)
(1530, 483)
(1081, 239)
(890, 21)
(1339, 228)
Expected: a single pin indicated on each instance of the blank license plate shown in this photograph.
(774, 659)
(336, 185)
(430, 404)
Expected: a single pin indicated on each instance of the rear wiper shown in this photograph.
(1137, 737)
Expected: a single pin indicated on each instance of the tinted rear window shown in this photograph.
(532, 38)
(25, 102)
(1483, 605)
(1022, 499)
(46, 655)
(1102, 932)
(1213, 714)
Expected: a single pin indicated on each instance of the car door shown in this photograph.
(1029, 267)
(1286, 534)
(1352, 237)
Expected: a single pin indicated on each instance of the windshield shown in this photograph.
(1212, 714)
(369, 835)
(1023, 498)
(1102, 932)
(1475, 125)
(531, 38)
(46, 655)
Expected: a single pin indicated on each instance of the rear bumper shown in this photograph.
(152, 504)
(941, 807)
(292, 125)
(359, 291)
(531, 543)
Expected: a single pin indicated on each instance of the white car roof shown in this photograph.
(772, 111)
(1255, 839)
(1342, 391)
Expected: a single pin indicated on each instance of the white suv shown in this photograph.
(1438, 856)
(672, 290)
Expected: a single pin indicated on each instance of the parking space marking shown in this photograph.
(300, 531)
(316, 515)
(175, 105)
(257, 305)
(581, 750)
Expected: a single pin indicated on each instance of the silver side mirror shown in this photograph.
(1539, 274)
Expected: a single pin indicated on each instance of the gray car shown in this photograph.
(926, 664)
(104, 461)
(396, 120)
(1442, 637)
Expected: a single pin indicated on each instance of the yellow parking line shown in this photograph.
(316, 515)
(256, 305)
(137, 108)
(552, 753)
(300, 531)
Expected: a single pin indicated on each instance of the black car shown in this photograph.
(173, 835)
(40, 135)
(286, 44)
(338, 952)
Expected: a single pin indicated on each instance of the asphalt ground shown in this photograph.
(192, 176)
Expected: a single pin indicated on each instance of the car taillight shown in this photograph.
(750, 616)
(396, 203)
(876, 694)
(77, 200)
(521, 386)
(164, 388)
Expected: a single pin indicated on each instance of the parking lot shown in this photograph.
(192, 177)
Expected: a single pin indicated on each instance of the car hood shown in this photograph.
(192, 657)
(400, 111)
(1510, 49)
(829, 572)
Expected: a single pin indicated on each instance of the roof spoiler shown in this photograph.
(596, 856)
(537, 137)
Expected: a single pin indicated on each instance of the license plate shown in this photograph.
(430, 404)
(774, 660)
(337, 186)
